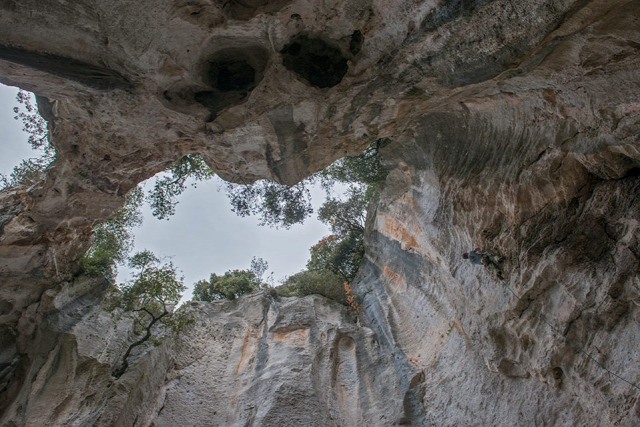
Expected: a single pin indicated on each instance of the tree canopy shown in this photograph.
(335, 259)
(155, 287)
(346, 216)
(152, 295)
(308, 282)
(340, 255)
(163, 197)
(230, 285)
(277, 205)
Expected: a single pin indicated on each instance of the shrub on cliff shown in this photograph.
(230, 285)
(321, 282)
(163, 197)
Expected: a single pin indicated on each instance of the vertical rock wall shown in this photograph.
(513, 126)
(542, 170)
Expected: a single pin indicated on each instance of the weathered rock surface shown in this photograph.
(513, 127)
(256, 360)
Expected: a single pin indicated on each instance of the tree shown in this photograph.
(283, 206)
(258, 267)
(340, 255)
(163, 196)
(231, 285)
(365, 168)
(32, 122)
(346, 216)
(152, 294)
(335, 259)
(30, 171)
(113, 239)
(277, 205)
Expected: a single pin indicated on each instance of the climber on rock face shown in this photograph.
(492, 262)
(474, 256)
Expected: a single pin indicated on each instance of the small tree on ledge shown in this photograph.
(151, 295)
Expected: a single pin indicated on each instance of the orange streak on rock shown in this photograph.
(396, 230)
(247, 349)
(394, 277)
(296, 337)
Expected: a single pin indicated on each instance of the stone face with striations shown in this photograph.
(512, 126)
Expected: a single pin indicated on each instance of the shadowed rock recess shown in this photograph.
(514, 128)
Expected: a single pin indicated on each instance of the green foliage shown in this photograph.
(155, 287)
(342, 252)
(283, 206)
(230, 285)
(152, 295)
(277, 205)
(32, 170)
(163, 196)
(113, 239)
(365, 168)
(27, 173)
(340, 255)
(320, 282)
(179, 320)
(335, 259)
(346, 216)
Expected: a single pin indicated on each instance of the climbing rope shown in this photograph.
(570, 342)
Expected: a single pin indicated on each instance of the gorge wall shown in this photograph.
(512, 126)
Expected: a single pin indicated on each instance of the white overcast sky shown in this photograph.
(204, 236)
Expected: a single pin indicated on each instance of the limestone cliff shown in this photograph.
(259, 360)
(513, 127)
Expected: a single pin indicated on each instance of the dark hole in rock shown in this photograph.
(557, 373)
(5, 307)
(206, 98)
(316, 61)
(355, 45)
(233, 75)
(633, 172)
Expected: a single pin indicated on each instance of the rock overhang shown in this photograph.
(512, 122)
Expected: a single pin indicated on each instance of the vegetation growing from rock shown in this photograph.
(152, 295)
(230, 285)
(339, 255)
(113, 239)
(279, 205)
(334, 259)
(308, 282)
(32, 170)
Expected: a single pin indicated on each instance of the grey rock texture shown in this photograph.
(258, 360)
(513, 127)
